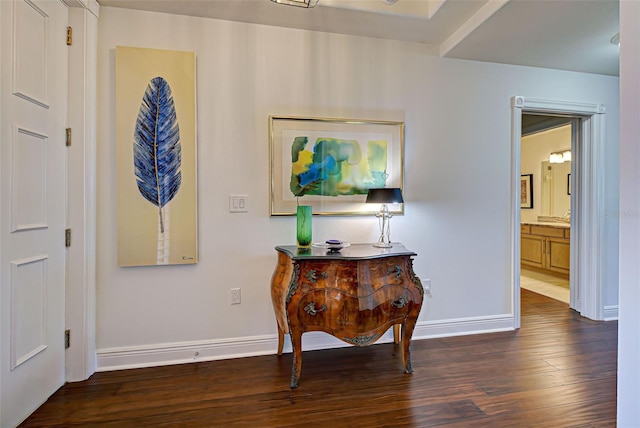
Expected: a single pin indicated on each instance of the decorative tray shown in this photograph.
(332, 245)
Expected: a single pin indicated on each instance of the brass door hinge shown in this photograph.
(68, 137)
(69, 36)
(67, 237)
(67, 339)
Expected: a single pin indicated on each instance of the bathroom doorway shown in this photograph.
(587, 206)
(545, 219)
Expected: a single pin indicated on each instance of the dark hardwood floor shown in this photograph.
(558, 370)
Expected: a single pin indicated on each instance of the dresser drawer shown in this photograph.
(321, 275)
(556, 232)
(525, 229)
(348, 316)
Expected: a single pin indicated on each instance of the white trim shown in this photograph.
(463, 326)
(514, 206)
(221, 349)
(611, 313)
(81, 256)
(587, 229)
(483, 14)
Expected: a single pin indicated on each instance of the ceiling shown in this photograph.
(533, 123)
(570, 35)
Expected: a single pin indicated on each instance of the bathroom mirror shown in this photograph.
(556, 188)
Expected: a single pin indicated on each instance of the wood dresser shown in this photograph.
(355, 294)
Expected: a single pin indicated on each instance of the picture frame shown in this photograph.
(330, 163)
(526, 191)
(569, 184)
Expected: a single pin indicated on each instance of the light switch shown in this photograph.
(238, 204)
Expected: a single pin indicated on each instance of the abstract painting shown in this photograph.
(156, 157)
(330, 164)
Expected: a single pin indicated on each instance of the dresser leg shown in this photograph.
(296, 369)
(407, 332)
(280, 340)
(396, 333)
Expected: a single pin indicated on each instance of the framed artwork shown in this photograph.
(156, 157)
(526, 191)
(569, 184)
(330, 164)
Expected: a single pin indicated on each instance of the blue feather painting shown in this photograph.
(156, 157)
(156, 148)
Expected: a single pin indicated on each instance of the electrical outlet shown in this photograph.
(235, 296)
(426, 286)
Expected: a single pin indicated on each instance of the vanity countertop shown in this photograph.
(547, 223)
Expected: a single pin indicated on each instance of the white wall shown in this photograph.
(457, 169)
(536, 149)
(629, 312)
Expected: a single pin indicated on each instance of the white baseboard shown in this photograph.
(207, 350)
(610, 313)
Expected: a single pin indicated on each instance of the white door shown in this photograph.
(33, 116)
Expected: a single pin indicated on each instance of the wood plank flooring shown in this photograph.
(558, 370)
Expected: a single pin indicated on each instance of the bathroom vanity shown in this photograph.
(545, 247)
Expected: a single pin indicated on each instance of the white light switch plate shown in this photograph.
(238, 204)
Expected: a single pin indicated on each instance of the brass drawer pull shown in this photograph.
(397, 270)
(311, 309)
(311, 276)
(400, 303)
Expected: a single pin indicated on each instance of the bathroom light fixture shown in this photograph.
(299, 3)
(384, 196)
(560, 157)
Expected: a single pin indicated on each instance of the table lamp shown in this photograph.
(384, 196)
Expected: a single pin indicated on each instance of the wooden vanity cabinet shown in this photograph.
(355, 295)
(545, 249)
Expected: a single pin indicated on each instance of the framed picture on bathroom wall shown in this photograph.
(526, 191)
(330, 164)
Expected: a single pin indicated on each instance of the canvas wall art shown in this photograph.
(156, 157)
(330, 164)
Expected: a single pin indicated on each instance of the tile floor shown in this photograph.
(547, 285)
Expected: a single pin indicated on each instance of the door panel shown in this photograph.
(33, 201)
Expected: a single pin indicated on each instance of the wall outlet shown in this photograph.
(426, 286)
(235, 296)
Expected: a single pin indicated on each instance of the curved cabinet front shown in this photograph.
(359, 320)
(354, 299)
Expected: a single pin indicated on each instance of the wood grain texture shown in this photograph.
(558, 370)
(355, 299)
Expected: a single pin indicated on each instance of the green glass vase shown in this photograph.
(303, 226)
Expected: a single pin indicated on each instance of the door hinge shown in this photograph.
(68, 137)
(67, 237)
(67, 339)
(69, 36)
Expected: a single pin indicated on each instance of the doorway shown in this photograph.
(545, 240)
(586, 287)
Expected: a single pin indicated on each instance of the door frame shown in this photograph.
(80, 358)
(587, 203)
